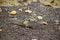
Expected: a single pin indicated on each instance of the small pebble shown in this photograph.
(34, 39)
(45, 23)
(0, 30)
(39, 17)
(20, 9)
(13, 12)
(28, 11)
(0, 10)
(57, 21)
(25, 23)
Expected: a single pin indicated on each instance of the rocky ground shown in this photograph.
(32, 22)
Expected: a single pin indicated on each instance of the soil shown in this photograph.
(13, 29)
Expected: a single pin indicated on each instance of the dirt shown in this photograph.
(37, 29)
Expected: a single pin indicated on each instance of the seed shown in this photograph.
(13, 12)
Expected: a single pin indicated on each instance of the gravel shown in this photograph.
(13, 29)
